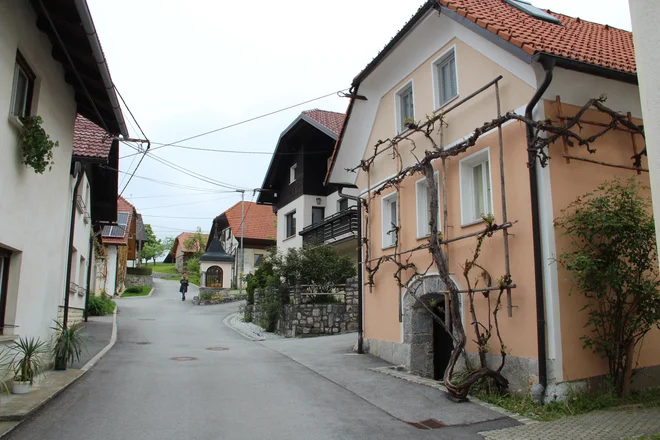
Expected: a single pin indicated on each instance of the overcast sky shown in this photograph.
(187, 67)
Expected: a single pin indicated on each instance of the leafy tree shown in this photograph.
(319, 265)
(168, 244)
(197, 243)
(153, 247)
(614, 262)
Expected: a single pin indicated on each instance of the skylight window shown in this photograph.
(532, 10)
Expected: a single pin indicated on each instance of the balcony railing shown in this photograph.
(339, 226)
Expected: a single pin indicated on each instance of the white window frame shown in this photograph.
(386, 201)
(398, 122)
(292, 173)
(465, 167)
(286, 226)
(437, 84)
(423, 222)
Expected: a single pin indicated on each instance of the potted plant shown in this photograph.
(27, 360)
(68, 344)
(36, 146)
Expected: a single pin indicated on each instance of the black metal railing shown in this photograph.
(338, 226)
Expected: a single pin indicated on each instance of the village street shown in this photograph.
(252, 390)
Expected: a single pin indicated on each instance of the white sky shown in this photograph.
(186, 67)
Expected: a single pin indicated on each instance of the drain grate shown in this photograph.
(141, 343)
(184, 358)
(428, 424)
(217, 348)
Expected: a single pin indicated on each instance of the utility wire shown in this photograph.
(191, 173)
(172, 184)
(183, 204)
(144, 136)
(247, 120)
(176, 195)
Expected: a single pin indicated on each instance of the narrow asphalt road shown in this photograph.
(162, 382)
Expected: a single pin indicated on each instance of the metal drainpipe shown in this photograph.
(78, 173)
(548, 66)
(89, 267)
(360, 346)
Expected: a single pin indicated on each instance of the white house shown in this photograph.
(39, 75)
(309, 211)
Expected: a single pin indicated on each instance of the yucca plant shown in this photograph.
(68, 344)
(27, 358)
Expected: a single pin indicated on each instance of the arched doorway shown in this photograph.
(430, 344)
(214, 276)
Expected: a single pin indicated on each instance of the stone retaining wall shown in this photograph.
(138, 280)
(300, 318)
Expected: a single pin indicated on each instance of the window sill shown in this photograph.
(289, 238)
(8, 338)
(439, 109)
(391, 246)
(15, 122)
(472, 223)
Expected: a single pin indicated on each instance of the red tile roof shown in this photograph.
(574, 38)
(183, 238)
(122, 206)
(332, 120)
(90, 140)
(260, 221)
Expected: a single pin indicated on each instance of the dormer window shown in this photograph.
(532, 10)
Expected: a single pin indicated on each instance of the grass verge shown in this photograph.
(163, 268)
(577, 402)
(136, 291)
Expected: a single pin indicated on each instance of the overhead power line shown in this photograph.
(171, 184)
(245, 121)
(184, 204)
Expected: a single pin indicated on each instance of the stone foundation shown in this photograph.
(75, 315)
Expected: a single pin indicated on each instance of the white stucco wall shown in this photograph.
(284, 242)
(110, 283)
(82, 232)
(226, 271)
(332, 201)
(645, 15)
(35, 208)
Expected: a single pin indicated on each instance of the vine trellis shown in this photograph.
(545, 133)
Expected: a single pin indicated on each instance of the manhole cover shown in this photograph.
(184, 358)
(141, 343)
(217, 348)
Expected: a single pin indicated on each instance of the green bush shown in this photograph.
(100, 305)
(139, 270)
(271, 305)
(205, 296)
(248, 311)
(134, 289)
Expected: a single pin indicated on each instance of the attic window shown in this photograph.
(532, 10)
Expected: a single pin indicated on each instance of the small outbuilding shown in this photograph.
(215, 267)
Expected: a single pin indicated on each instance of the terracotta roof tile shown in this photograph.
(183, 237)
(260, 221)
(90, 140)
(332, 120)
(574, 38)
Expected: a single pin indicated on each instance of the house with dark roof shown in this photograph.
(466, 62)
(119, 242)
(183, 250)
(308, 211)
(252, 225)
(52, 66)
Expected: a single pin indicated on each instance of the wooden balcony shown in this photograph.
(337, 228)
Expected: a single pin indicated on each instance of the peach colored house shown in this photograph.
(449, 50)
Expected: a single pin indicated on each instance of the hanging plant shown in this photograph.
(36, 146)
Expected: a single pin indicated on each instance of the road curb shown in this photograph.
(84, 370)
(113, 340)
(228, 318)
